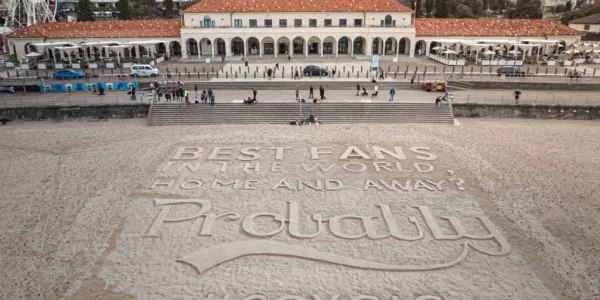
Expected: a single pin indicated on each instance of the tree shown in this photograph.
(84, 10)
(476, 7)
(124, 8)
(525, 9)
(463, 11)
(429, 5)
(168, 7)
(441, 8)
(568, 6)
(145, 9)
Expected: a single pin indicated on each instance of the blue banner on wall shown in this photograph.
(85, 87)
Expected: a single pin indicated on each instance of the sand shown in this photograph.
(78, 204)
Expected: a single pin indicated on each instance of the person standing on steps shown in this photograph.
(297, 94)
(357, 89)
(311, 94)
(195, 92)
(254, 93)
(392, 93)
(322, 92)
(517, 94)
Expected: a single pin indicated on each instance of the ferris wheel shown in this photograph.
(22, 13)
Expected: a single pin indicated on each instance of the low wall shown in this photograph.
(471, 110)
(38, 113)
(499, 85)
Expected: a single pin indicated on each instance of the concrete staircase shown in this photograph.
(282, 113)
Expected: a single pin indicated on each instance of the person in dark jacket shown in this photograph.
(311, 93)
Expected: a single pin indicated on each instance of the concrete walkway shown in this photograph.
(236, 96)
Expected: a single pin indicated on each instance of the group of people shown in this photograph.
(177, 93)
(311, 94)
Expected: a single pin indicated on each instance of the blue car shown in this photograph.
(68, 74)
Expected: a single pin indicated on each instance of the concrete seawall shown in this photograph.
(465, 110)
(511, 85)
(471, 110)
(38, 113)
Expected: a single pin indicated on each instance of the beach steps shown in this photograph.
(282, 113)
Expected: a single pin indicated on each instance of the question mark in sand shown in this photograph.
(458, 183)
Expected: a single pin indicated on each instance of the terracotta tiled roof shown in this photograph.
(207, 6)
(101, 29)
(491, 27)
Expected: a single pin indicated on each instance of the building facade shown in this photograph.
(298, 30)
(276, 28)
(589, 24)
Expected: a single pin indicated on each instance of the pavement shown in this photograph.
(236, 96)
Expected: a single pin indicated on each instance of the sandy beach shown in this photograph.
(490, 209)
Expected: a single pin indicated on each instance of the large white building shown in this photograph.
(273, 28)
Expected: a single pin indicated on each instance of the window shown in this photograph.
(282, 23)
(312, 22)
(343, 23)
(388, 21)
(297, 22)
(252, 22)
(207, 22)
(237, 22)
(327, 22)
(357, 22)
(268, 23)
(586, 27)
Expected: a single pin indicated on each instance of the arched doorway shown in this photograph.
(162, 49)
(329, 45)
(298, 43)
(205, 47)
(268, 45)
(343, 45)
(174, 48)
(237, 46)
(314, 45)
(283, 45)
(127, 54)
(390, 46)
(253, 46)
(377, 46)
(219, 43)
(404, 46)
(421, 48)
(359, 45)
(192, 47)
(29, 47)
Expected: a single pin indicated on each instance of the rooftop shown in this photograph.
(491, 27)
(101, 29)
(591, 19)
(206, 6)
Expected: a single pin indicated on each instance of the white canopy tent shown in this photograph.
(120, 49)
(68, 48)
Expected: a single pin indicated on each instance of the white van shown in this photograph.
(143, 70)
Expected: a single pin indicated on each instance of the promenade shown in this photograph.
(236, 96)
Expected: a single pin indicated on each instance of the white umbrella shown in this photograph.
(449, 51)
(436, 48)
(32, 55)
(514, 52)
(571, 51)
(489, 52)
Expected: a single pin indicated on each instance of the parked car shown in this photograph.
(68, 74)
(510, 71)
(144, 71)
(315, 71)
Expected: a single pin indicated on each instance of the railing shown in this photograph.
(301, 26)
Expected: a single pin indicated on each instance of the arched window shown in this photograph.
(388, 20)
(207, 22)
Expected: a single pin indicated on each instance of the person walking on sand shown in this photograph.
(297, 94)
(517, 94)
(392, 93)
(357, 89)
(311, 92)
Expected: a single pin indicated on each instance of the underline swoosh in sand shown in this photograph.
(210, 257)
